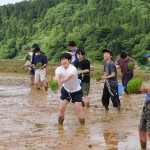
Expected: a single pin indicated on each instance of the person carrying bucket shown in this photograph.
(127, 73)
(110, 89)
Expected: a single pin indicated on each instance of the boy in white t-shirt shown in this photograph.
(67, 75)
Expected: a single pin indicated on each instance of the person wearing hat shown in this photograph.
(127, 73)
(110, 89)
(28, 63)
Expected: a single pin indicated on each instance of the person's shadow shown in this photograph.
(112, 139)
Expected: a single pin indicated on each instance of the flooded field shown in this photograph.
(29, 119)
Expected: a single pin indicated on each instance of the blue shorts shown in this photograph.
(75, 96)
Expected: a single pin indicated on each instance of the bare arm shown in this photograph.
(60, 81)
(84, 71)
(117, 66)
(108, 76)
(66, 78)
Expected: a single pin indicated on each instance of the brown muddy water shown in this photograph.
(29, 119)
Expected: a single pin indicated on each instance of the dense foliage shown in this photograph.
(120, 25)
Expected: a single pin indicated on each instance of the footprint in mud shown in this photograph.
(40, 125)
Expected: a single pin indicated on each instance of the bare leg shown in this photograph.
(148, 135)
(86, 99)
(106, 108)
(79, 111)
(143, 139)
(44, 83)
(62, 108)
(38, 86)
(32, 79)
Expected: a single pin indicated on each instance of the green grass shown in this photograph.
(53, 85)
(96, 75)
(131, 65)
(134, 85)
(38, 65)
(28, 57)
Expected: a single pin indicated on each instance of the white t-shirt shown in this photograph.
(72, 85)
(31, 55)
(28, 63)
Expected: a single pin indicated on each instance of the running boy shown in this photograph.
(67, 75)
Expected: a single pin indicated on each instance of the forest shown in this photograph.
(119, 25)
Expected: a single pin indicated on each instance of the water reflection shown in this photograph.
(112, 139)
(13, 90)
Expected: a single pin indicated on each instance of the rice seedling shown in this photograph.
(134, 85)
(38, 65)
(97, 75)
(28, 57)
(53, 85)
(131, 65)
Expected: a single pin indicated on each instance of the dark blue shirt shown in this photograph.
(40, 58)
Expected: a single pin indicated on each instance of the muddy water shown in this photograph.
(29, 120)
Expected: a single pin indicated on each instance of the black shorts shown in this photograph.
(75, 96)
(32, 71)
(85, 88)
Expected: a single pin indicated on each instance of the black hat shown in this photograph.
(108, 51)
(27, 48)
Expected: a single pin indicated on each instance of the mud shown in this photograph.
(29, 119)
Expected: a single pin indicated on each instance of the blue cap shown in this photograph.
(27, 48)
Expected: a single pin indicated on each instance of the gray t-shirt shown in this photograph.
(109, 68)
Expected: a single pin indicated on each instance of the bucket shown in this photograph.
(79, 81)
(120, 89)
(148, 96)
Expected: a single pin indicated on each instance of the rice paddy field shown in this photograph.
(29, 117)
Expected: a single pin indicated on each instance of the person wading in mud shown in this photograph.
(144, 127)
(67, 75)
(28, 64)
(73, 48)
(110, 89)
(83, 74)
(127, 74)
(40, 73)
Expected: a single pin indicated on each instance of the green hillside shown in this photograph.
(120, 25)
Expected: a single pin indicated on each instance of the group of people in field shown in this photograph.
(73, 75)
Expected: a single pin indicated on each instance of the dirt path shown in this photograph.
(29, 120)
